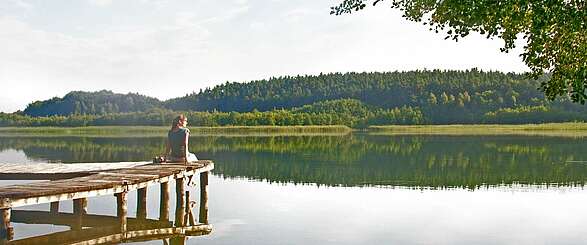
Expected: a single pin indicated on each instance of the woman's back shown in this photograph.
(177, 140)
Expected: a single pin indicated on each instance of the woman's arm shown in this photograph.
(167, 148)
(187, 138)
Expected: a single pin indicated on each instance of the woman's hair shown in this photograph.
(176, 120)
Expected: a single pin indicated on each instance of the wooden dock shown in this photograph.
(89, 180)
(52, 171)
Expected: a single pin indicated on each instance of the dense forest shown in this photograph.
(352, 99)
(92, 103)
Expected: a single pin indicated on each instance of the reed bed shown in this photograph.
(574, 129)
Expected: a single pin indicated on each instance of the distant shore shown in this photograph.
(577, 129)
(574, 129)
(127, 131)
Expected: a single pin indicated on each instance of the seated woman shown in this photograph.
(177, 141)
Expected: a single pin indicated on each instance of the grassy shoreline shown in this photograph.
(546, 129)
(127, 131)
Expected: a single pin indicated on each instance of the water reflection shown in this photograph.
(349, 160)
(102, 229)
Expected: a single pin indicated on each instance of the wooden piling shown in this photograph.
(177, 240)
(189, 217)
(54, 209)
(142, 203)
(204, 197)
(121, 209)
(6, 230)
(164, 202)
(80, 208)
(179, 202)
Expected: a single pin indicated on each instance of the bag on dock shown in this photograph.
(159, 159)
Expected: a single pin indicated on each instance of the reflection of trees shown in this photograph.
(85, 149)
(436, 161)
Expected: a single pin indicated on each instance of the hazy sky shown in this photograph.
(169, 48)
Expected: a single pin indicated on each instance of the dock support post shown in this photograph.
(6, 230)
(204, 197)
(179, 202)
(54, 207)
(142, 203)
(80, 208)
(177, 240)
(121, 210)
(189, 216)
(164, 202)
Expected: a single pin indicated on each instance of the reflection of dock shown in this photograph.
(103, 229)
(95, 183)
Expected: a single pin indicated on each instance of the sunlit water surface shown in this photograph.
(356, 189)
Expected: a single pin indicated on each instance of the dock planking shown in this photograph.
(94, 183)
(53, 171)
(49, 168)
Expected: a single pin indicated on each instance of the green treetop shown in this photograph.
(555, 32)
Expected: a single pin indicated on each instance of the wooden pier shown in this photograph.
(89, 180)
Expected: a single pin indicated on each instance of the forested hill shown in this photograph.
(92, 103)
(415, 97)
(472, 89)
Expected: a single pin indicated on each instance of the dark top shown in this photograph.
(177, 142)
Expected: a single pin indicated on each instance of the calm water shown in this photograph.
(357, 189)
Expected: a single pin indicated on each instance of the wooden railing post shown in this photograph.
(164, 202)
(204, 197)
(121, 209)
(142, 203)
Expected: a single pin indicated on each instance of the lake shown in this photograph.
(354, 188)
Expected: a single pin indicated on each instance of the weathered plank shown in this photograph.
(49, 168)
(52, 171)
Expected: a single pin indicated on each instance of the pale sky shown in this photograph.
(170, 48)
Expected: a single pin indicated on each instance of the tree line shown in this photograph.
(352, 99)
